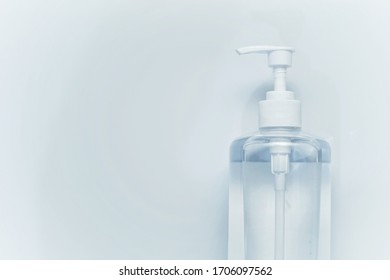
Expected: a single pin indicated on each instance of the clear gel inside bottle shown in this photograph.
(281, 197)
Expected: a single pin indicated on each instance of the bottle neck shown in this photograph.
(280, 130)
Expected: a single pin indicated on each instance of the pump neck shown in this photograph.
(280, 79)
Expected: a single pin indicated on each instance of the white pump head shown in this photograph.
(280, 109)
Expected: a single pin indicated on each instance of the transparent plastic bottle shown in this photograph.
(281, 172)
(294, 234)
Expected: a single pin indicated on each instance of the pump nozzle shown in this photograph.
(279, 58)
(277, 55)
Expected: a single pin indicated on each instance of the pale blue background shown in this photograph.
(116, 119)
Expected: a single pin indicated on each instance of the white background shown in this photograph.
(116, 119)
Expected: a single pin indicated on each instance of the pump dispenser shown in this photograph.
(280, 108)
(281, 172)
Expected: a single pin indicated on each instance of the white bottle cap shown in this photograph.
(280, 108)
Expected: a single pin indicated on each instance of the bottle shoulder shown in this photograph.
(243, 138)
(260, 142)
(285, 134)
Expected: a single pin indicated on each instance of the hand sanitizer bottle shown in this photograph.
(281, 171)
